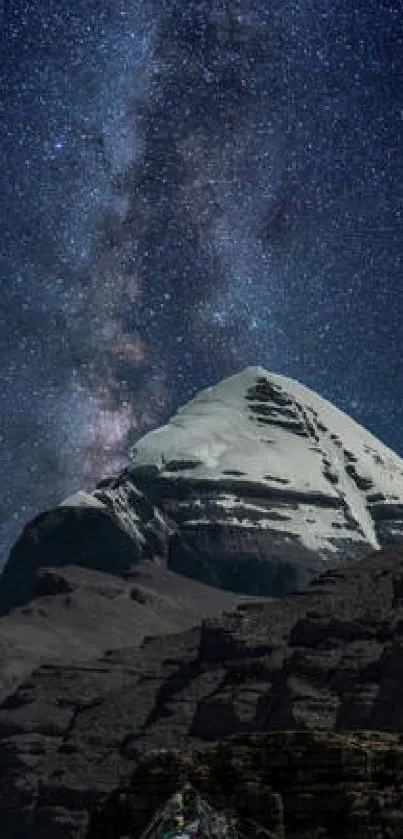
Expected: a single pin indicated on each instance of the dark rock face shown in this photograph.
(88, 537)
(109, 530)
(283, 785)
(234, 559)
(328, 659)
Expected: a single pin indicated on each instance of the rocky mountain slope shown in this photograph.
(77, 613)
(330, 658)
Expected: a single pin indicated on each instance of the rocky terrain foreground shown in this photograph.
(327, 659)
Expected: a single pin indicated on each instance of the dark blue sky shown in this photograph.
(186, 191)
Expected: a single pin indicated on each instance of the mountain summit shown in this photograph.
(265, 481)
(254, 486)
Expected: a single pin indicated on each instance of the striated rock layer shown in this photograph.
(253, 487)
(329, 659)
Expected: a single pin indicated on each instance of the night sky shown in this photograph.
(188, 188)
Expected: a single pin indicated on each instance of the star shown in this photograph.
(189, 189)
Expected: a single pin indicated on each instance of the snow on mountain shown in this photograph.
(263, 454)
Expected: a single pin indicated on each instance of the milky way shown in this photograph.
(188, 189)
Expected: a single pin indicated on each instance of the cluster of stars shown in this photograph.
(188, 189)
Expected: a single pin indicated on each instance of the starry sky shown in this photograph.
(187, 188)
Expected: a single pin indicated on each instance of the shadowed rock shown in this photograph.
(328, 659)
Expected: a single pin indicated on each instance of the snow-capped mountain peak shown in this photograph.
(263, 453)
